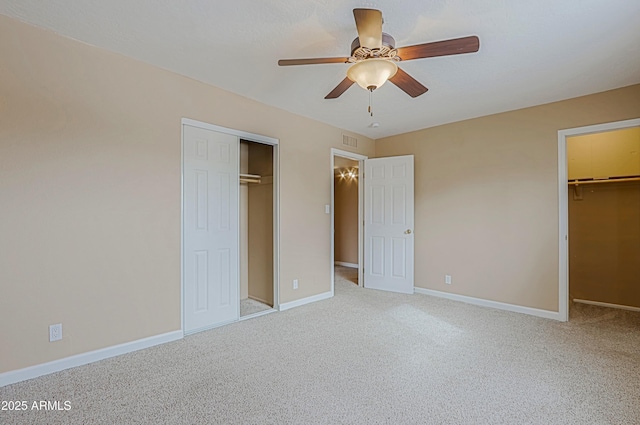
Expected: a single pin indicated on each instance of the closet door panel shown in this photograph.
(211, 226)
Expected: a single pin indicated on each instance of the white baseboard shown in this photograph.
(343, 264)
(14, 376)
(258, 314)
(260, 300)
(493, 304)
(209, 327)
(303, 301)
(601, 304)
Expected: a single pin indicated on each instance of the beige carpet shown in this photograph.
(249, 306)
(365, 357)
(347, 274)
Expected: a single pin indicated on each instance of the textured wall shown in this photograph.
(604, 243)
(90, 156)
(346, 220)
(261, 223)
(604, 155)
(486, 196)
(244, 223)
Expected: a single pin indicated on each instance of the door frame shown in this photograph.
(360, 158)
(252, 137)
(563, 204)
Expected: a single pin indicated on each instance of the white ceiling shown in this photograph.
(531, 52)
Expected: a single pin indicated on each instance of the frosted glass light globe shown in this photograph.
(372, 73)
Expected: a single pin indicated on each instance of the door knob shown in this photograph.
(407, 232)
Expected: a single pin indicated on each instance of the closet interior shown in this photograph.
(604, 218)
(256, 228)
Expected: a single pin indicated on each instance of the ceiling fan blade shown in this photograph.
(312, 61)
(340, 88)
(369, 25)
(454, 46)
(408, 84)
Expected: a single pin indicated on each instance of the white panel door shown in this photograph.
(211, 190)
(388, 227)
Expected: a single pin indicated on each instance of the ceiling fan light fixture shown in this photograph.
(370, 74)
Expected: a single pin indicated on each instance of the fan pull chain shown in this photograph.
(371, 102)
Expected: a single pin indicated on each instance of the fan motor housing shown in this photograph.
(388, 49)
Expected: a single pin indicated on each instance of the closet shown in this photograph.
(604, 217)
(256, 228)
(229, 225)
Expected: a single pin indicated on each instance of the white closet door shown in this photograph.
(211, 190)
(388, 228)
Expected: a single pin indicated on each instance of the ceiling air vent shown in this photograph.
(349, 141)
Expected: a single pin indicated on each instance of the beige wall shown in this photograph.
(261, 224)
(603, 155)
(604, 243)
(244, 222)
(486, 197)
(90, 193)
(346, 220)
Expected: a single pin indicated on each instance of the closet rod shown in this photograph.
(250, 178)
(626, 179)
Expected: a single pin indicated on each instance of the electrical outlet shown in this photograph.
(295, 283)
(55, 332)
(447, 279)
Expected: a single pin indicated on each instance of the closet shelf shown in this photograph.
(612, 180)
(250, 178)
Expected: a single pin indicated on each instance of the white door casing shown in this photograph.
(388, 228)
(563, 205)
(211, 228)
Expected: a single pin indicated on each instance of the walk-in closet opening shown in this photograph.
(256, 228)
(603, 171)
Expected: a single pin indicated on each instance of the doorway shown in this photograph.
(585, 182)
(345, 207)
(256, 228)
(385, 221)
(346, 217)
(217, 225)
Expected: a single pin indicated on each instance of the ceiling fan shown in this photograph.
(374, 56)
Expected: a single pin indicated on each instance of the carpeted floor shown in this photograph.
(364, 357)
(250, 306)
(346, 274)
